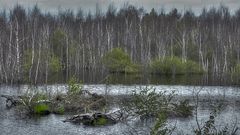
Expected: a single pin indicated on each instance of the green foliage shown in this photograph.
(34, 102)
(41, 109)
(74, 87)
(58, 42)
(175, 66)
(118, 61)
(55, 64)
(100, 121)
(209, 127)
(148, 103)
(159, 127)
(57, 39)
(183, 109)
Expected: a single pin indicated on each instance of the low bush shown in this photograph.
(74, 88)
(146, 102)
(175, 66)
(117, 61)
(183, 109)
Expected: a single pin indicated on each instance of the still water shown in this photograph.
(11, 124)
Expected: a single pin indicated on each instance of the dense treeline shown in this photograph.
(35, 46)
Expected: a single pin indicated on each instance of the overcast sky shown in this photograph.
(86, 5)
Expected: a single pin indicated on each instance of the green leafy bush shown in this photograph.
(175, 66)
(160, 126)
(118, 61)
(148, 103)
(74, 87)
(183, 109)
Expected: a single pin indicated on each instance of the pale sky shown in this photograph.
(86, 5)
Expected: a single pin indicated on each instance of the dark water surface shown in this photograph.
(100, 77)
(11, 124)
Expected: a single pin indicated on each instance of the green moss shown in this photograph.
(41, 109)
(55, 64)
(100, 122)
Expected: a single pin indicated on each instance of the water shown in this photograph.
(100, 77)
(10, 124)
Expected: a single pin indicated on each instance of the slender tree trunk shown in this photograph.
(38, 63)
(17, 51)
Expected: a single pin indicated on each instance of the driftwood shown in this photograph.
(90, 119)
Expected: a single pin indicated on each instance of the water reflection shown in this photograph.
(100, 77)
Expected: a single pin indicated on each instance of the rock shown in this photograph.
(12, 100)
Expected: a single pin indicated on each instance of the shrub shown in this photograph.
(175, 66)
(160, 127)
(74, 87)
(148, 103)
(183, 109)
(118, 61)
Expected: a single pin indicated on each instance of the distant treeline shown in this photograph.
(35, 46)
